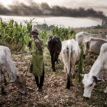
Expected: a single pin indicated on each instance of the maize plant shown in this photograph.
(13, 35)
(16, 36)
(63, 33)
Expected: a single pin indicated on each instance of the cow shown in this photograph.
(54, 47)
(8, 71)
(81, 36)
(70, 54)
(93, 45)
(98, 72)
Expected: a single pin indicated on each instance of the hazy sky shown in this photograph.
(96, 4)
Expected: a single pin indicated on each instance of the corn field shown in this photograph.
(16, 36)
(13, 35)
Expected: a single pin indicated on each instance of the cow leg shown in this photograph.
(2, 78)
(68, 82)
(5, 83)
(105, 91)
(54, 65)
(57, 57)
(73, 72)
(68, 79)
(53, 62)
(3, 91)
(0, 82)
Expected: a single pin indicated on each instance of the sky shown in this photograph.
(95, 4)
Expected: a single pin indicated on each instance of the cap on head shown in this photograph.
(35, 31)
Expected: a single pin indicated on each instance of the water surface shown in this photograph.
(59, 21)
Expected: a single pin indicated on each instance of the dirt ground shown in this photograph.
(54, 93)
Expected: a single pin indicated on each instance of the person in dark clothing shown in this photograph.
(37, 65)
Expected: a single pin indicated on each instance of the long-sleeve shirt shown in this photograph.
(37, 60)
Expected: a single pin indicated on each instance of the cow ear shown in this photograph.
(17, 76)
(95, 79)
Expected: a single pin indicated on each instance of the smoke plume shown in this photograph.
(44, 9)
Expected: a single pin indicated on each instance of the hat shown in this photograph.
(35, 31)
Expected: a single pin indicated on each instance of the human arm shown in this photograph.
(38, 44)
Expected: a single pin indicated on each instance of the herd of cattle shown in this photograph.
(69, 52)
(70, 55)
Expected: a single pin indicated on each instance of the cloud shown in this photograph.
(44, 9)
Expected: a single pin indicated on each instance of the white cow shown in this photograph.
(70, 54)
(93, 45)
(97, 72)
(81, 36)
(8, 70)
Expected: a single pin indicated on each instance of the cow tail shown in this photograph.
(70, 56)
(87, 45)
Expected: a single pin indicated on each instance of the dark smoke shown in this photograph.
(45, 10)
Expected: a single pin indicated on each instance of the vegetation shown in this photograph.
(63, 33)
(81, 64)
(16, 36)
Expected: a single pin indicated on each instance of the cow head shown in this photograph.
(21, 83)
(89, 82)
